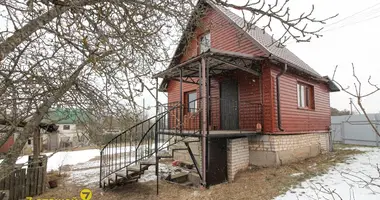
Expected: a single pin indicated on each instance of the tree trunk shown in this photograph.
(8, 163)
(36, 144)
(366, 116)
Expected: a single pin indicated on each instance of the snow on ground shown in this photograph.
(346, 180)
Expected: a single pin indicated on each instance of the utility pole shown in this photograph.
(350, 106)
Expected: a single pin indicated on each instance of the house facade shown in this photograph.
(248, 101)
(69, 133)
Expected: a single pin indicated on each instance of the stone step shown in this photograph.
(179, 177)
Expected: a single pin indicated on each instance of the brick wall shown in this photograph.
(237, 156)
(288, 142)
(267, 150)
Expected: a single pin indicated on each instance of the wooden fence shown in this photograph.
(26, 182)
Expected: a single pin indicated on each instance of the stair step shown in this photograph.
(179, 149)
(129, 177)
(179, 177)
(189, 140)
(164, 155)
(148, 162)
(134, 168)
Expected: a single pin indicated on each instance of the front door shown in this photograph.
(229, 107)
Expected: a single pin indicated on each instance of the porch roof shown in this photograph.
(219, 61)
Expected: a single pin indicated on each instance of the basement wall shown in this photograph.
(274, 150)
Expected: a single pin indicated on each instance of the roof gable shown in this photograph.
(266, 42)
(258, 37)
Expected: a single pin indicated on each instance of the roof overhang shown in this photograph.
(217, 61)
(332, 86)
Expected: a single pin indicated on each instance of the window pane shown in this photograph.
(302, 96)
(298, 95)
(192, 103)
(205, 43)
(307, 97)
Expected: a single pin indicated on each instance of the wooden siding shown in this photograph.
(294, 119)
(268, 98)
(250, 112)
(191, 120)
(224, 36)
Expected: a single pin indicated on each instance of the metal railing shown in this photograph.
(133, 145)
(247, 114)
(181, 118)
(138, 142)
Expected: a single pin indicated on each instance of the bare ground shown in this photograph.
(253, 183)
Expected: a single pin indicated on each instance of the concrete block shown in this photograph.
(263, 158)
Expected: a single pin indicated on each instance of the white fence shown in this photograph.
(355, 129)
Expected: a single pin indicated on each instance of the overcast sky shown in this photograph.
(352, 40)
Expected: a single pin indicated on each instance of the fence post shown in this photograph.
(331, 142)
(377, 137)
(342, 133)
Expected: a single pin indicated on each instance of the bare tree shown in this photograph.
(358, 93)
(93, 54)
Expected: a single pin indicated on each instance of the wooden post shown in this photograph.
(36, 146)
(23, 182)
(28, 182)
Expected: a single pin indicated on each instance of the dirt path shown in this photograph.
(254, 183)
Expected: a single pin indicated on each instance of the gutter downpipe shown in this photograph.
(278, 97)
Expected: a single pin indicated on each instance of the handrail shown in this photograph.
(111, 155)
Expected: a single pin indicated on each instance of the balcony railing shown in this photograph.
(248, 114)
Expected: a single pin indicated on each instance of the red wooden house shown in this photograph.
(250, 101)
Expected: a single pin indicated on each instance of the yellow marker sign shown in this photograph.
(86, 194)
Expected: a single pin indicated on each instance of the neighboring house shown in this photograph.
(265, 105)
(69, 132)
(8, 144)
(5, 126)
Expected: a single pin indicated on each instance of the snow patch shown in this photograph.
(347, 180)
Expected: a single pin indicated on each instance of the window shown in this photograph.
(66, 127)
(305, 96)
(191, 99)
(205, 43)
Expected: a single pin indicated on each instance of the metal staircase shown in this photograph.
(128, 155)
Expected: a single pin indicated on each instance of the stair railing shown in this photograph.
(133, 145)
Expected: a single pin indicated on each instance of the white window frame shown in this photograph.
(304, 95)
(193, 102)
(204, 42)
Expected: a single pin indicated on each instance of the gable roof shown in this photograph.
(265, 41)
(65, 116)
(258, 36)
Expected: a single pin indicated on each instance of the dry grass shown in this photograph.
(254, 183)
